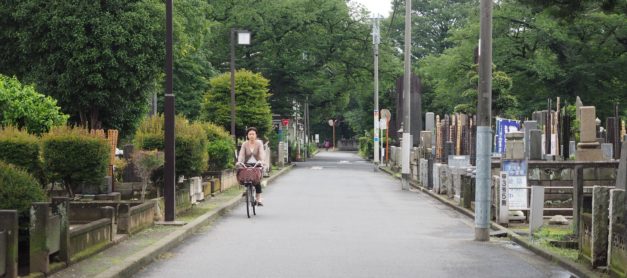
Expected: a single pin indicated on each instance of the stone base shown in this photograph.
(589, 155)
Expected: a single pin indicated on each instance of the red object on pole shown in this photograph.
(285, 122)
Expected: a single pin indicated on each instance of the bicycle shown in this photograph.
(249, 176)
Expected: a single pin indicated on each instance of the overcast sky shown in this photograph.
(383, 7)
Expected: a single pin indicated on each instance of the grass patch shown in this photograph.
(546, 234)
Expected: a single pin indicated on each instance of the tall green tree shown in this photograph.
(99, 59)
(251, 96)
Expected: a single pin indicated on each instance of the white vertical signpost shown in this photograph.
(375, 41)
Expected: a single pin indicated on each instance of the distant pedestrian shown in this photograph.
(327, 144)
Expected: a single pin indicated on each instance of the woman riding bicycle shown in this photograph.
(252, 151)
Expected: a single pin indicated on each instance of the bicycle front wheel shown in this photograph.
(248, 200)
(253, 202)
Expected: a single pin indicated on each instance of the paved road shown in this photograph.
(334, 217)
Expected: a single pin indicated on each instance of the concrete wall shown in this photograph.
(94, 234)
(132, 219)
(8, 243)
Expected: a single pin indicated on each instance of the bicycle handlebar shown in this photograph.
(258, 163)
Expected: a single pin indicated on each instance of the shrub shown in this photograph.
(21, 149)
(76, 158)
(220, 147)
(22, 106)
(18, 189)
(221, 154)
(366, 145)
(191, 143)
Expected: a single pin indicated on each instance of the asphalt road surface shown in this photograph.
(333, 216)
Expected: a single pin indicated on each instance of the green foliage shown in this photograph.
(23, 107)
(190, 143)
(75, 157)
(99, 59)
(320, 51)
(221, 154)
(220, 147)
(251, 96)
(18, 189)
(21, 149)
(366, 145)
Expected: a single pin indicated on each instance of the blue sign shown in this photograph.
(503, 126)
(376, 139)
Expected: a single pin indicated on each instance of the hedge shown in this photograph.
(190, 138)
(76, 158)
(21, 149)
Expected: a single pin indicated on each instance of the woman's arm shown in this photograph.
(242, 153)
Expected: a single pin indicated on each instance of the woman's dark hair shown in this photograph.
(252, 128)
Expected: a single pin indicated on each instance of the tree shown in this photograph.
(99, 59)
(23, 107)
(251, 96)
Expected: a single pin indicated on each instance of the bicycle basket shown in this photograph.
(252, 175)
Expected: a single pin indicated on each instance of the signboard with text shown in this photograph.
(516, 180)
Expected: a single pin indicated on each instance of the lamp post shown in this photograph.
(169, 167)
(243, 37)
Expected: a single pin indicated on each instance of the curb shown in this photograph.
(146, 256)
(573, 267)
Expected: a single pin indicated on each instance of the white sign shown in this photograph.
(516, 183)
(502, 199)
(383, 124)
(317, 139)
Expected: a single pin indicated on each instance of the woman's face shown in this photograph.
(252, 135)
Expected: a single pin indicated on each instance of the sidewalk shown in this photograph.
(574, 267)
(132, 253)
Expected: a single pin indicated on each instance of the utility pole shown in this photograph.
(484, 123)
(406, 147)
(376, 39)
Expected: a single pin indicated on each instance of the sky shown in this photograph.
(383, 7)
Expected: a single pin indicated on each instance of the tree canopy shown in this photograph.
(251, 97)
(23, 107)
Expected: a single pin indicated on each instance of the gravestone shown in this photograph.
(537, 208)
(458, 165)
(565, 140)
(535, 146)
(129, 174)
(617, 255)
(600, 223)
(621, 179)
(572, 148)
(430, 121)
(589, 148)
(529, 125)
(608, 151)
(436, 177)
(611, 136)
(514, 145)
(578, 104)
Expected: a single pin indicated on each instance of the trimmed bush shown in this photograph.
(21, 149)
(220, 148)
(18, 189)
(76, 158)
(191, 143)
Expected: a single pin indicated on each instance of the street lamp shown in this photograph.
(243, 38)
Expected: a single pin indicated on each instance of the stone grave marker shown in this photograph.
(535, 146)
(589, 148)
